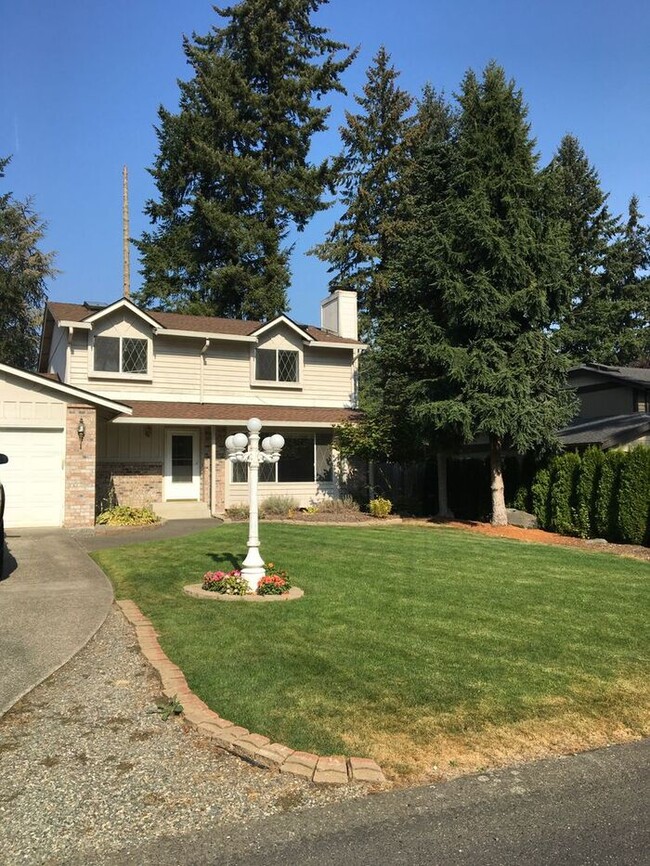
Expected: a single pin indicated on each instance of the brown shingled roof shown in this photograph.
(219, 412)
(200, 324)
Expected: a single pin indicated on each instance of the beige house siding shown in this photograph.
(30, 406)
(225, 372)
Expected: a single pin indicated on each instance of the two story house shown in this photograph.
(614, 407)
(133, 406)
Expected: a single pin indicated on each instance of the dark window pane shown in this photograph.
(265, 366)
(134, 355)
(107, 354)
(287, 366)
(182, 452)
(239, 472)
(267, 472)
(324, 469)
(297, 460)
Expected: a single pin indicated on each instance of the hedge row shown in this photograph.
(596, 495)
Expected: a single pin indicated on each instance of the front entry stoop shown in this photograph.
(181, 510)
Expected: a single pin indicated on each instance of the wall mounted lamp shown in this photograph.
(81, 431)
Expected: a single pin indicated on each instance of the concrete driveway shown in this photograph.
(53, 598)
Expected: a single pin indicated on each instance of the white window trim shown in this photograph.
(108, 374)
(314, 480)
(267, 383)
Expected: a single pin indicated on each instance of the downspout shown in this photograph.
(203, 362)
(213, 472)
(68, 356)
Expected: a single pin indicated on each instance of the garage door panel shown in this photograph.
(34, 476)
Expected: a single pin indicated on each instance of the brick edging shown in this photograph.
(327, 769)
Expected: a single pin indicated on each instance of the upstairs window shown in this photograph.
(121, 355)
(276, 365)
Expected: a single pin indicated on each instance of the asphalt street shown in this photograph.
(589, 809)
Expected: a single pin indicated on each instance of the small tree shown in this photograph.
(24, 269)
(607, 498)
(634, 496)
(587, 490)
(563, 493)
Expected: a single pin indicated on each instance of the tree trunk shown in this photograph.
(443, 505)
(499, 514)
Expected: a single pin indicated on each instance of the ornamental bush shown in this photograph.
(634, 496)
(127, 515)
(607, 508)
(279, 506)
(563, 495)
(380, 507)
(541, 497)
(587, 491)
(225, 582)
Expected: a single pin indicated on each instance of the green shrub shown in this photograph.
(540, 494)
(279, 506)
(634, 496)
(337, 506)
(564, 480)
(587, 490)
(607, 524)
(238, 512)
(126, 515)
(380, 507)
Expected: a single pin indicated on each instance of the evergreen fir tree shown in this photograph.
(483, 281)
(358, 245)
(23, 271)
(233, 170)
(578, 200)
(625, 323)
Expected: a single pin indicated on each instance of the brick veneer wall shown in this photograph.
(135, 483)
(80, 466)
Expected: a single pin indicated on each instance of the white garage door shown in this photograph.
(34, 477)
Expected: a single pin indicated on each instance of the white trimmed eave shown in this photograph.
(80, 326)
(123, 302)
(284, 320)
(206, 422)
(159, 331)
(70, 390)
(325, 344)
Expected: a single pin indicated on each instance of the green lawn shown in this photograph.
(420, 647)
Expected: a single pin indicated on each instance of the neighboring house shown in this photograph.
(133, 406)
(614, 407)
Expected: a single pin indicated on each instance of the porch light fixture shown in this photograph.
(81, 431)
(253, 565)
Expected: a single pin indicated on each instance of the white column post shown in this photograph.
(253, 566)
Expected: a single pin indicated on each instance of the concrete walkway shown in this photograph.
(53, 598)
(101, 537)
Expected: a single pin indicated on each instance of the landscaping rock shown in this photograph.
(521, 518)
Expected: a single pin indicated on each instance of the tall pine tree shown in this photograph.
(233, 170)
(24, 268)
(485, 279)
(578, 200)
(358, 247)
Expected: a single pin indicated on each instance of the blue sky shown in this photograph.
(80, 84)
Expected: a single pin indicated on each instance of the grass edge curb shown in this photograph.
(326, 769)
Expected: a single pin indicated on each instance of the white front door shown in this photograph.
(182, 473)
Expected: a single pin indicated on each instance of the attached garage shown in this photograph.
(33, 479)
(50, 477)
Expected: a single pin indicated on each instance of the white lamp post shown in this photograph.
(253, 565)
